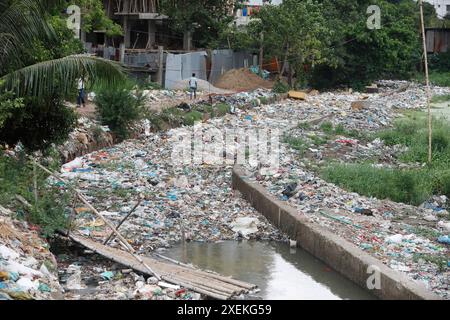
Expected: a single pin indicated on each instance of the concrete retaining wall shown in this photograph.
(336, 252)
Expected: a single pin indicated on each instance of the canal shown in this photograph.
(279, 271)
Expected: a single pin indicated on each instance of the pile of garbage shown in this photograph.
(191, 202)
(85, 275)
(195, 202)
(158, 95)
(254, 98)
(413, 240)
(27, 267)
(88, 135)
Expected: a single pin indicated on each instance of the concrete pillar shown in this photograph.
(126, 32)
(122, 52)
(151, 33)
(187, 40)
(159, 74)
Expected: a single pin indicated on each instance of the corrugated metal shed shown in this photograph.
(438, 39)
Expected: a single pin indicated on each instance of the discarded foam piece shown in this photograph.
(298, 95)
(360, 105)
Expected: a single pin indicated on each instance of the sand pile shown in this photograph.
(242, 80)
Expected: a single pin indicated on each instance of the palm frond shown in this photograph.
(43, 77)
(22, 21)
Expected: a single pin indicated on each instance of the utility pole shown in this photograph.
(427, 79)
(261, 54)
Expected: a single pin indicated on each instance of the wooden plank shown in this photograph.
(212, 285)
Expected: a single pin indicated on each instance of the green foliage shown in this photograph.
(364, 55)
(220, 110)
(439, 260)
(440, 62)
(440, 98)
(39, 123)
(8, 104)
(51, 211)
(192, 117)
(297, 31)
(94, 18)
(327, 127)
(413, 133)
(411, 186)
(441, 79)
(16, 178)
(304, 125)
(280, 87)
(119, 107)
(296, 143)
(405, 186)
(206, 19)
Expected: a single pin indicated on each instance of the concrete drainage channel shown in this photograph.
(339, 254)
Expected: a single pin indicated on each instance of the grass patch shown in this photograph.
(439, 260)
(440, 98)
(407, 186)
(304, 125)
(221, 109)
(319, 140)
(413, 133)
(327, 127)
(296, 143)
(412, 186)
(441, 79)
(191, 117)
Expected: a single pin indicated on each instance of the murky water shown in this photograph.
(279, 271)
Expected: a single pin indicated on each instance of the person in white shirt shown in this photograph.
(193, 86)
(80, 98)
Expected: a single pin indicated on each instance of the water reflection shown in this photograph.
(279, 271)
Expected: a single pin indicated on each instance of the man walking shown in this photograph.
(80, 98)
(193, 86)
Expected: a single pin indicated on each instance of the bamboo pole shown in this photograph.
(123, 220)
(35, 189)
(106, 221)
(427, 79)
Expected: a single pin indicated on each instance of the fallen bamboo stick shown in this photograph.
(227, 279)
(108, 223)
(174, 261)
(123, 220)
(196, 288)
(212, 283)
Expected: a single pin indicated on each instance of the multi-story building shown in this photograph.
(442, 7)
(244, 15)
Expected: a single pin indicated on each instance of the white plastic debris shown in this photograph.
(245, 225)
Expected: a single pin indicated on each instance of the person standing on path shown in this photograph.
(80, 98)
(193, 86)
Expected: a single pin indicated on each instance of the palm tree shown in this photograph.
(22, 21)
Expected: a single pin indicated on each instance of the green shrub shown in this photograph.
(296, 143)
(190, 118)
(327, 127)
(16, 178)
(221, 109)
(440, 62)
(119, 107)
(280, 87)
(38, 123)
(340, 130)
